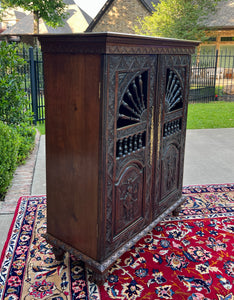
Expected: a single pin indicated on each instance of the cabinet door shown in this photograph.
(128, 105)
(172, 97)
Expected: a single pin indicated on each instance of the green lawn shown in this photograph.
(41, 128)
(216, 114)
(210, 115)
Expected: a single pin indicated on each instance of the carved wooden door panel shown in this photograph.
(172, 95)
(128, 106)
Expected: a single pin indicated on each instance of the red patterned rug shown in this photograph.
(186, 257)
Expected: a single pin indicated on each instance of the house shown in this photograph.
(77, 21)
(121, 16)
(10, 17)
(221, 28)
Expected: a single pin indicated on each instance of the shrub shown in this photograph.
(16, 133)
(14, 104)
(9, 146)
(26, 139)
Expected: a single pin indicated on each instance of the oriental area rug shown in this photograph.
(186, 257)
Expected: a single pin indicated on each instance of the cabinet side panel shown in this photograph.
(72, 148)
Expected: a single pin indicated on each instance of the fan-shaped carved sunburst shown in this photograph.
(132, 108)
(173, 98)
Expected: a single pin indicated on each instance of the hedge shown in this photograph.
(26, 138)
(16, 133)
(9, 147)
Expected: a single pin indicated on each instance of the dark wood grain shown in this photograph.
(72, 143)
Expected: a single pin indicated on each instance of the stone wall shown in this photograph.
(122, 16)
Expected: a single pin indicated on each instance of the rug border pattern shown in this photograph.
(12, 238)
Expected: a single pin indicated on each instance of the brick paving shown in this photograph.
(22, 182)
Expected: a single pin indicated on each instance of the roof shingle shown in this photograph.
(223, 17)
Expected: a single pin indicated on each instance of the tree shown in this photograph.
(52, 12)
(14, 104)
(182, 19)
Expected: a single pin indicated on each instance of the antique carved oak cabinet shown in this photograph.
(116, 108)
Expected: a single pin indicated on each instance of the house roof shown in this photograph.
(77, 21)
(223, 17)
(147, 4)
(69, 2)
(12, 14)
(86, 16)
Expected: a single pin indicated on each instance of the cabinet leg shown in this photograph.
(176, 211)
(58, 253)
(99, 278)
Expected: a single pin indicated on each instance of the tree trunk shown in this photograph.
(35, 22)
(35, 27)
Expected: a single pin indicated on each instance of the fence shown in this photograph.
(33, 81)
(212, 77)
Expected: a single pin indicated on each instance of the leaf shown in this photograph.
(181, 19)
(163, 252)
(189, 256)
(150, 282)
(214, 269)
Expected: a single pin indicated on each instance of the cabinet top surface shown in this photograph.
(114, 43)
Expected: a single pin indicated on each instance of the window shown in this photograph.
(211, 39)
(227, 39)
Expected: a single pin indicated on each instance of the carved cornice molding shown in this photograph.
(114, 43)
(56, 47)
(148, 50)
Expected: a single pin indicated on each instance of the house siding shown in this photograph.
(218, 44)
(221, 24)
(121, 16)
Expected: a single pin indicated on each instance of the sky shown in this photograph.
(91, 7)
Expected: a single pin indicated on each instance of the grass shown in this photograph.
(41, 128)
(216, 114)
